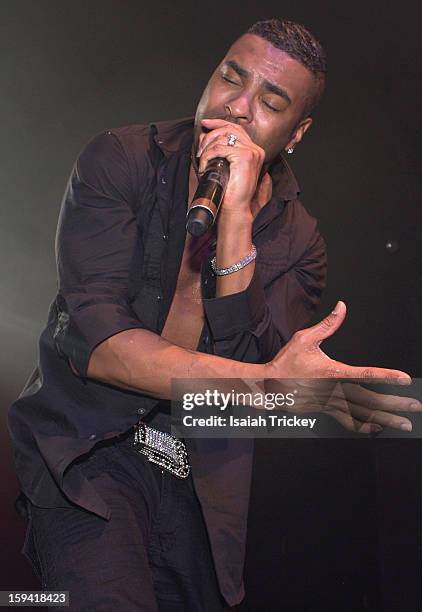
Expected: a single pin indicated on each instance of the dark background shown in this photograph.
(334, 524)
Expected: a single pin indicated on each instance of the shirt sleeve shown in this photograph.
(95, 243)
(294, 296)
(253, 325)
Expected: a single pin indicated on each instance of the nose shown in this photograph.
(239, 108)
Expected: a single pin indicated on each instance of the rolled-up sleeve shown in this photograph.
(241, 324)
(95, 245)
(294, 296)
(236, 313)
(253, 325)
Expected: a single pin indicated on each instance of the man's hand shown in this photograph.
(302, 356)
(355, 407)
(245, 158)
(235, 218)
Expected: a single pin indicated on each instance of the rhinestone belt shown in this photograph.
(163, 449)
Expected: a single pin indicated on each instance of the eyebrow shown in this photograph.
(268, 85)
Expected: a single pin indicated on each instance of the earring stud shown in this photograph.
(290, 150)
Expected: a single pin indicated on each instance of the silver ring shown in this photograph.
(231, 140)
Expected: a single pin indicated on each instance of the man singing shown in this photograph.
(116, 515)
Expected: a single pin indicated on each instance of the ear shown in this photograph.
(299, 133)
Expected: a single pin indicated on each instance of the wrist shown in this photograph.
(269, 370)
(239, 217)
(236, 266)
(254, 371)
(237, 224)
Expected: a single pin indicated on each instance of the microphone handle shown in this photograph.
(208, 196)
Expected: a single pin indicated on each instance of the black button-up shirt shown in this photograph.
(119, 247)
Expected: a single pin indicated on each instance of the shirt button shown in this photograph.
(165, 237)
(163, 180)
(141, 410)
(92, 436)
(159, 298)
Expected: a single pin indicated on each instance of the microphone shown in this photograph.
(206, 202)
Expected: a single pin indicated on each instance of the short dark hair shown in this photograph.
(295, 40)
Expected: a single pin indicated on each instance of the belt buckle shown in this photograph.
(162, 449)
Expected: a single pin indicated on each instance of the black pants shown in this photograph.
(153, 555)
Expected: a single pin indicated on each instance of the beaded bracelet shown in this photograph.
(235, 267)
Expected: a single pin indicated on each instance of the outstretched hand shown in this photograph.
(316, 378)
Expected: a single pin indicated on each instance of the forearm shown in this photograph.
(142, 361)
(239, 315)
(234, 242)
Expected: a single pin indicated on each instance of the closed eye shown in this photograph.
(228, 80)
(276, 110)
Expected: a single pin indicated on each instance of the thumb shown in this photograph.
(329, 325)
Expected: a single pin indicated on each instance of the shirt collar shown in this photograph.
(174, 136)
(177, 137)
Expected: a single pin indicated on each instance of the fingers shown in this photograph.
(380, 417)
(221, 130)
(348, 422)
(366, 415)
(380, 401)
(218, 147)
(359, 406)
(232, 154)
(328, 326)
(337, 369)
(221, 136)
